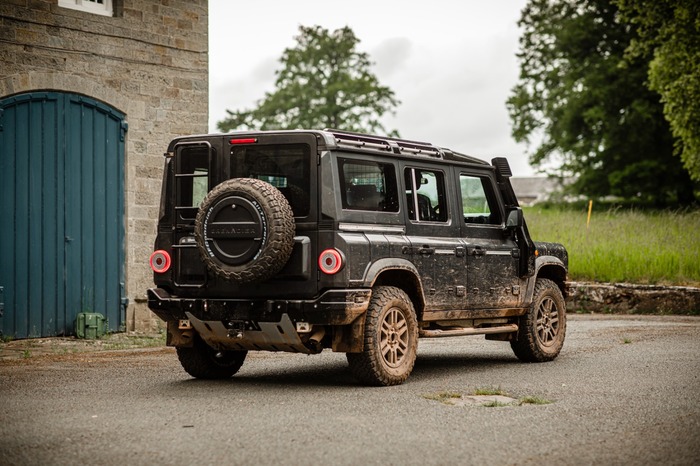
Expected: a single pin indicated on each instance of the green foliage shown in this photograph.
(442, 397)
(490, 392)
(533, 400)
(496, 404)
(588, 103)
(324, 82)
(669, 32)
(656, 247)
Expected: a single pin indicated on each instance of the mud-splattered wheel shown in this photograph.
(391, 339)
(542, 330)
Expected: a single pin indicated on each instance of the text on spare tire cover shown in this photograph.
(210, 233)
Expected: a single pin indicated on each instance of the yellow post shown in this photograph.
(590, 208)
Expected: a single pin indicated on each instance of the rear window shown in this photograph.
(284, 166)
(191, 179)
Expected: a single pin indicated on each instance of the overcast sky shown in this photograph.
(451, 63)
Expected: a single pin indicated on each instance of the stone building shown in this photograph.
(91, 92)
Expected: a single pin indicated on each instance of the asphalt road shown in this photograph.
(623, 391)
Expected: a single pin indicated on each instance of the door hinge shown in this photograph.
(124, 299)
(124, 126)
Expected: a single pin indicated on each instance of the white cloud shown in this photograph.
(451, 63)
(391, 55)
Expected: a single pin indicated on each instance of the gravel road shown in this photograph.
(625, 390)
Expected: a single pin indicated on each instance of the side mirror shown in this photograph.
(515, 219)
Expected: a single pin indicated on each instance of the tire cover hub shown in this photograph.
(234, 230)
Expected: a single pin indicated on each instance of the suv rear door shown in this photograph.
(286, 161)
(435, 245)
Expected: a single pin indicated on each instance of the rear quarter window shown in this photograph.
(367, 185)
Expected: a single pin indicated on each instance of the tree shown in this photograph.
(669, 32)
(324, 82)
(589, 104)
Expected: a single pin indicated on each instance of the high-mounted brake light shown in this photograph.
(243, 141)
(331, 261)
(160, 261)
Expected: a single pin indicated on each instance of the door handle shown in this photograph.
(424, 250)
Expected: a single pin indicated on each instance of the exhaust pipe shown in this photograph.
(314, 342)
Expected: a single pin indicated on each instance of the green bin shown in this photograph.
(90, 325)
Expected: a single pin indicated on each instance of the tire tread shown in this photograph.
(281, 229)
(526, 346)
(366, 366)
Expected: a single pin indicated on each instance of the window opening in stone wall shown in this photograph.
(98, 7)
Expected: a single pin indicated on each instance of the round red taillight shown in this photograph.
(331, 261)
(160, 261)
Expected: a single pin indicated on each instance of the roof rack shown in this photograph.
(383, 143)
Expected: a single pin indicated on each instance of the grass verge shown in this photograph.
(657, 247)
(29, 348)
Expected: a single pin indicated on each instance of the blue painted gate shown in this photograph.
(61, 213)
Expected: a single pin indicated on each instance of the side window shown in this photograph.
(476, 206)
(368, 185)
(425, 195)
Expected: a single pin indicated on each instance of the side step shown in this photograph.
(458, 332)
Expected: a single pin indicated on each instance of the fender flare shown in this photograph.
(382, 266)
(540, 263)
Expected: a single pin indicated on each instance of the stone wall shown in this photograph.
(624, 298)
(149, 61)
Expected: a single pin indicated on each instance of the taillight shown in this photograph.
(160, 261)
(331, 261)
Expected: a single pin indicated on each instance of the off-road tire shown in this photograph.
(542, 329)
(204, 362)
(252, 243)
(390, 340)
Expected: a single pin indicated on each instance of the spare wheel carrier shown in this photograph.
(245, 230)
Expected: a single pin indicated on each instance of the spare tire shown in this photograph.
(245, 230)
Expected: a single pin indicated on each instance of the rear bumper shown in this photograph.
(334, 307)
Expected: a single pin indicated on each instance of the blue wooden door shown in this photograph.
(61, 213)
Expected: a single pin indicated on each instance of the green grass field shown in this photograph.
(628, 246)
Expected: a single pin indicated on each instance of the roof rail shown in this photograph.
(384, 143)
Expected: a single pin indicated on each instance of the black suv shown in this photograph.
(304, 240)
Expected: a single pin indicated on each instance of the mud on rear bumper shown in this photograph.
(334, 307)
(238, 324)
